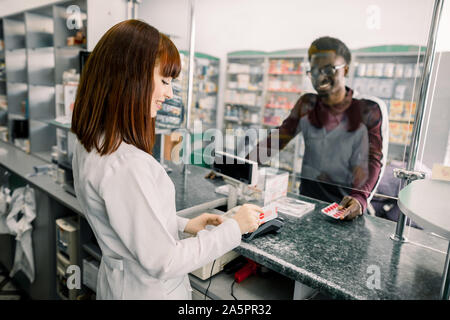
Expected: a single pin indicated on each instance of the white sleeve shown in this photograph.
(181, 223)
(132, 193)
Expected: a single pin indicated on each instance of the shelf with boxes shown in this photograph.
(245, 85)
(391, 73)
(76, 247)
(204, 95)
(33, 70)
(261, 90)
(286, 82)
(171, 113)
(3, 98)
(41, 45)
(16, 80)
(206, 82)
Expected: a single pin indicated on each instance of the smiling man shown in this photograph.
(345, 135)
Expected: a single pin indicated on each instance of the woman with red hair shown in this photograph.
(125, 194)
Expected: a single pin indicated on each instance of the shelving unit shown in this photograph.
(244, 93)
(261, 90)
(286, 82)
(3, 96)
(391, 73)
(244, 96)
(206, 83)
(171, 114)
(16, 79)
(204, 95)
(36, 53)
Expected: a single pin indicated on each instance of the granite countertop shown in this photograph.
(192, 189)
(340, 258)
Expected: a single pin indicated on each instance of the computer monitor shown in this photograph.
(236, 168)
(84, 55)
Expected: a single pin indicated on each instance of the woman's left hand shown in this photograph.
(199, 223)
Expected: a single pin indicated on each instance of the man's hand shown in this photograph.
(352, 208)
(199, 223)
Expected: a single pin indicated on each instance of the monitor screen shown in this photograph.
(84, 55)
(230, 166)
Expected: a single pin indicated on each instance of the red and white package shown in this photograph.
(333, 211)
(269, 212)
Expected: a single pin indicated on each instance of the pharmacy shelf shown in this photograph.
(282, 78)
(36, 53)
(204, 94)
(391, 73)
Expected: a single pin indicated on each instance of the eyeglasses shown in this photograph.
(328, 70)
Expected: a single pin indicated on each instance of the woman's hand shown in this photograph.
(199, 223)
(248, 217)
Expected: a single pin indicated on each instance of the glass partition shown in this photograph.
(263, 82)
(172, 17)
(333, 142)
(433, 152)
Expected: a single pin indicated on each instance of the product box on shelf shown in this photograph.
(395, 132)
(409, 110)
(400, 132)
(396, 110)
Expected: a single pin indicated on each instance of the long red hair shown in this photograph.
(115, 91)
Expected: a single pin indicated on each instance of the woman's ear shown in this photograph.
(346, 69)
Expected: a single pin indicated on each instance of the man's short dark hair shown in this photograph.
(330, 44)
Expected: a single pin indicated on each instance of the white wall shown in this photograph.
(273, 25)
(443, 41)
(108, 13)
(171, 17)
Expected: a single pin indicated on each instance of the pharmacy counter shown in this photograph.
(343, 259)
(353, 259)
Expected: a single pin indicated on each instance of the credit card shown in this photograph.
(269, 212)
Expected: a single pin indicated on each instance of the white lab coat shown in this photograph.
(129, 201)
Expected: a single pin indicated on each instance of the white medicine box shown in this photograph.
(273, 184)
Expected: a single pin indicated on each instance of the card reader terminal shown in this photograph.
(274, 224)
